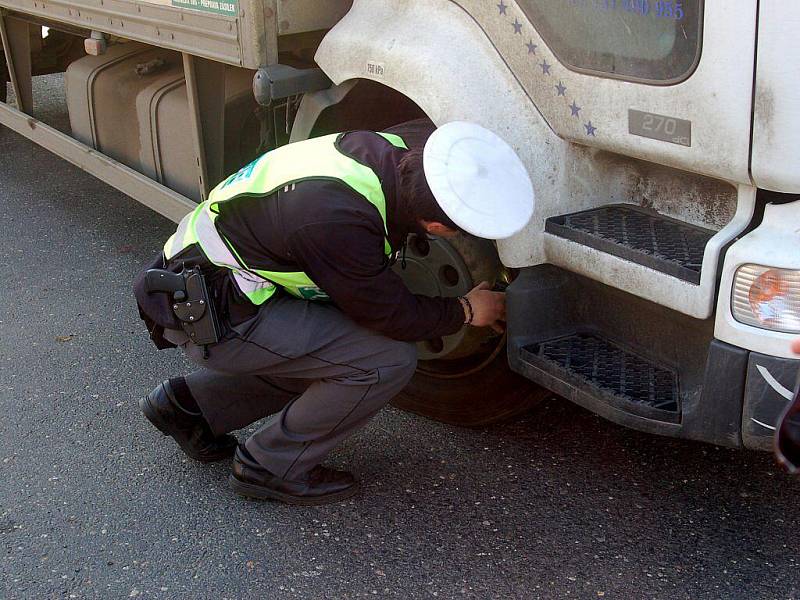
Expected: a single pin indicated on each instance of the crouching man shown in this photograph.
(280, 288)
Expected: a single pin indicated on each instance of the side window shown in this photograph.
(655, 41)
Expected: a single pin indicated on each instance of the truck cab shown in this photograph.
(658, 282)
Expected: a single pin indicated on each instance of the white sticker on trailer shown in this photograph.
(212, 6)
(228, 8)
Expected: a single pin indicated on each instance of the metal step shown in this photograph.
(597, 367)
(639, 235)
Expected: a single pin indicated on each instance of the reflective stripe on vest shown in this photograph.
(318, 158)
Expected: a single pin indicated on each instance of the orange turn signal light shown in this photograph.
(768, 298)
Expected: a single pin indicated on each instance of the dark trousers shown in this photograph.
(320, 375)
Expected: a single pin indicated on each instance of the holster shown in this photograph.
(192, 304)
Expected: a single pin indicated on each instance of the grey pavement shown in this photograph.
(94, 503)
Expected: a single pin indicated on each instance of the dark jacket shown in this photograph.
(336, 237)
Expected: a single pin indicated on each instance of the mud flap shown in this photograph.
(770, 381)
(787, 435)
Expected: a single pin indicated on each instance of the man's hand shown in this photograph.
(488, 307)
(796, 346)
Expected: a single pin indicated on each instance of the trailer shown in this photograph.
(658, 282)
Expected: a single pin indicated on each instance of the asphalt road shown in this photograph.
(94, 503)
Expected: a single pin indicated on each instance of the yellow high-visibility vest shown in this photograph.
(318, 158)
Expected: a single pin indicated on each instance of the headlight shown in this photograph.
(767, 298)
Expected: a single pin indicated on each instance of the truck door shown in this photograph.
(668, 81)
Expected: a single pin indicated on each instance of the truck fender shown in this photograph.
(434, 53)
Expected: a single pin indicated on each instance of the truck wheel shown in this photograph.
(473, 398)
(462, 379)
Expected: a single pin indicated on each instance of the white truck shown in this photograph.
(658, 283)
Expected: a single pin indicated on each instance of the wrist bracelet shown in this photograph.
(468, 305)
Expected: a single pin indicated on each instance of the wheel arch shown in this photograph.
(436, 55)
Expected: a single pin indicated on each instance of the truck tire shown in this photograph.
(462, 379)
(473, 386)
(490, 394)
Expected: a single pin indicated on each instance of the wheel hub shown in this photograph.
(434, 268)
(450, 268)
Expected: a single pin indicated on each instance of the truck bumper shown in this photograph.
(770, 381)
(642, 365)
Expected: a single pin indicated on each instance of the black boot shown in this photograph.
(189, 430)
(320, 485)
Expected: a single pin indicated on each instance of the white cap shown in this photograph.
(478, 180)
